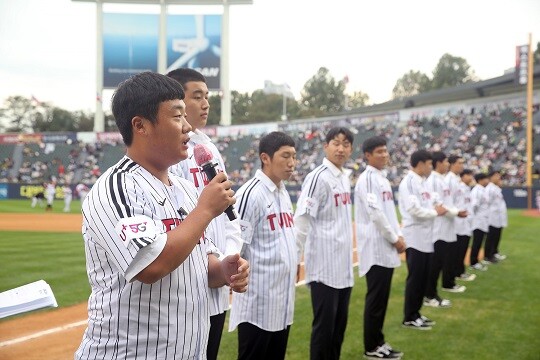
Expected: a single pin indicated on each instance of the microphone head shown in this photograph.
(202, 154)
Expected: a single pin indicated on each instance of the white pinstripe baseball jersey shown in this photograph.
(223, 233)
(125, 219)
(480, 205)
(377, 226)
(267, 229)
(443, 226)
(416, 205)
(498, 214)
(463, 201)
(326, 199)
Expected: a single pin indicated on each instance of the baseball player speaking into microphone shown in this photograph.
(222, 231)
(148, 263)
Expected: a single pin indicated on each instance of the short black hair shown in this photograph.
(141, 95)
(438, 157)
(185, 75)
(272, 142)
(454, 158)
(372, 143)
(480, 176)
(493, 172)
(466, 172)
(335, 131)
(420, 156)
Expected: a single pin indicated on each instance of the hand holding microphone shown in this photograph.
(204, 159)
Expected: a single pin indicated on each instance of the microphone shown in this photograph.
(203, 158)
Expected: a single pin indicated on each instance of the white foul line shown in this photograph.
(83, 322)
(43, 333)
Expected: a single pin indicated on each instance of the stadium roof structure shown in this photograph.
(502, 85)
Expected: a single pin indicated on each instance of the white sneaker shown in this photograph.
(466, 277)
(479, 266)
(455, 289)
(437, 302)
(499, 257)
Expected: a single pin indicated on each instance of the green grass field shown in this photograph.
(498, 317)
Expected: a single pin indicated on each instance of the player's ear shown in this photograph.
(139, 125)
(265, 159)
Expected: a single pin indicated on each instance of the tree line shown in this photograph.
(322, 95)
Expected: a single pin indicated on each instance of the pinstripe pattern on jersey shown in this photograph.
(249, 186)
(269, 300)
(224, 234)
(463, 225)
(480, 202)
(417, 232)
(443, 226)
(132, 320)
(317, 173)
(328, 248)
(498, 214)
(373, 247)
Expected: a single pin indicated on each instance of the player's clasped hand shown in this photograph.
(236, 271)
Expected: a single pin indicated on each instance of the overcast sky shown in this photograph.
(47, 48)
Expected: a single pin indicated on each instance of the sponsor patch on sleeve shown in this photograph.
(138, 230)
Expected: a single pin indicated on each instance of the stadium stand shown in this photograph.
(487, 132)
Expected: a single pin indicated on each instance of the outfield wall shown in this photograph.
(516, 197)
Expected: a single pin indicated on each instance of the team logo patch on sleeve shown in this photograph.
(311, 205)
(139, 230)
(246, 230)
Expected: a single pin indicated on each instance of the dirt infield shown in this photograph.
(41, 222)
(51, 334)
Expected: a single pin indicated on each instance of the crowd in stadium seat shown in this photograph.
(487, 136)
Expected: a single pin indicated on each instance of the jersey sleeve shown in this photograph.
(117, 217)
(410, 199)
(312, 195)
(249, 212)
(370, 208)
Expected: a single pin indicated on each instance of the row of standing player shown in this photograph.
(263, 314)
(440, 213)
(49, 193)
(322, 226)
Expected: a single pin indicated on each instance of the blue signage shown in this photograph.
(130, 45)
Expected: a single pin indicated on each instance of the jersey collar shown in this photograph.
(333, 168)
(259, 174)
(198, 137)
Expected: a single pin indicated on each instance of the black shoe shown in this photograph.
(393, 351)
(418, 324)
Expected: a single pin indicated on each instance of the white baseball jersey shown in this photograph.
(267, 227)
(416, 205)
(326, 201)
(377, 226)
(463, 201)
(498, 214)
(225, 234)
(480, 205)
(126, 217)
(443, 226)
(50, 190)
(82, 190)
(68, 196)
